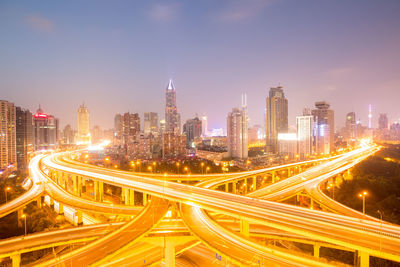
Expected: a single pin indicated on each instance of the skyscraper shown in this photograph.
(45, 130)
(305, 130)
(8, 148)
(24, 135)
(237, 129)
(68, 135)
(383, 121)
(204, 126)
(172, 117)
(130, 127)
(351, 130)
(193, 129)
(150, 122)
(325, 120)
(276, 117)
(83, 125)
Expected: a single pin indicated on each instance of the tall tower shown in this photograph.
(351, 130)
(8, 146)
(369, 116)
(276, 117)
(325, 123)
(83, 125)
(237, 131)
(172, 117)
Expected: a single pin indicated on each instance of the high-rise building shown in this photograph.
(276, 117)
(204, 126)
(351, 126)
(383, 121)
(325, 120)
(45, 130)
(305, 130)
(193, 130)
(8, 142)
(83, 125)
(24, 136)
(287, 144)
(150, 122)
(173, 145)
(97, 135)
(130, 127)
(172, 117)
(322, 138)
(237, 129)
(68, 135)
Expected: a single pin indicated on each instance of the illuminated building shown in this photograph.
(24, 136)
(305, 129)
(68, 135)
(150, 122)
(173, 145)
(193, 130)
(83, 125)
(351, 126)
(325, 124)
(322, 138)
(237, 138)
(45, 130)
(383, 121)
(276, 117)
(126, 127)
(204, 126)
(8, 147)
(287, 144)
(172, 117)
(162, 126)
(96, 134)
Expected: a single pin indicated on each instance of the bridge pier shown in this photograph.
(244, 228)
(234, 187)
(132, 197)
(39, 201)
(144, 199)
(169, 253)
(273, 177)
(125, 195)
(254, 185)
(316, 250)
(227, 187)
(80, 219)
(98, 191)
(16, 260)
(60, 208)
(20, 212)
(364, 259)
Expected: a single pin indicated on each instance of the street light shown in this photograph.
(177, 165)
(24, 216)
(154, 164)
(202, 167)
(150, 169)
(6, 190)
(207, 169)
(363, 194)
(380, 236)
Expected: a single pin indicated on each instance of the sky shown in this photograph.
(117, 56)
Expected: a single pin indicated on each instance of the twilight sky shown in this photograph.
(117, 56)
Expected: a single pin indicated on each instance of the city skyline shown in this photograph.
(124, 63)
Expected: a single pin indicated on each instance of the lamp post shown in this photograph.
(207, 169)
(363, 195)
(6, 191)
(177, 165)
(202, 167)
(24, 216)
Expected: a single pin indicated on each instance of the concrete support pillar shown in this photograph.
(51, 203)
(16, 260)
(364, 259)
(254, 185)
(169, 253)
(273, 177)
(316, 250)
(244, 227)
(132, 197)
(125, 193)
(39, 201)
(75, 184)
(101, 191)
(79, 178)
(311, 203)
(234, 187)
(144, 199)
(227, 187)
(20, 212)
(289, 172)
(60, 208)
(246, 186)
(80, 219)
(96, 190)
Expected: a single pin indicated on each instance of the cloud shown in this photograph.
(163, 12)
(40, 23)
(239, 10)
